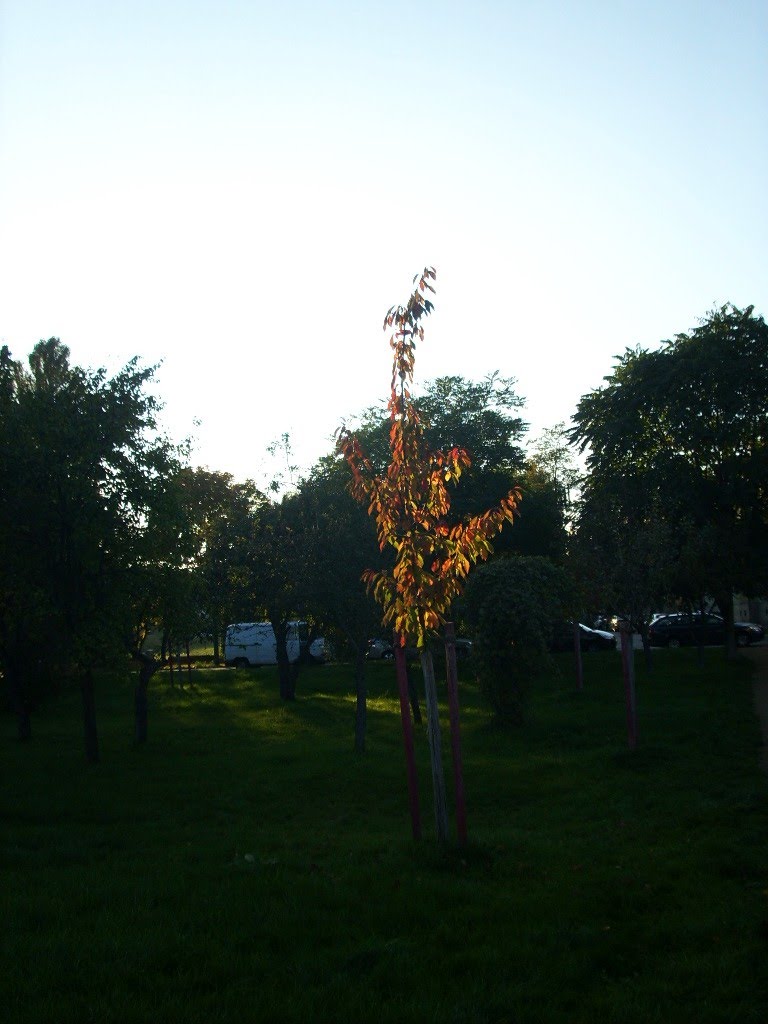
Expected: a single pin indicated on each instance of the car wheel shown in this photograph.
(241, 663)
(593, 647)
(387, 655)
(742, 640)
(673, 642)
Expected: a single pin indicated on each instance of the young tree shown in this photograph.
(625, 542)
(411, 504)
(271, 581)
(220, 514)
(340, 543)
(514, 604)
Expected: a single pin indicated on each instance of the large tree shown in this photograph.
(682, 432)
(339, 545)
(82, 467)
(220, 514)
(480, 416)
(483, 417)
(514, 606)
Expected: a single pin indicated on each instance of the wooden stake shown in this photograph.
(405, 718)
(452, 680)
(435, 746)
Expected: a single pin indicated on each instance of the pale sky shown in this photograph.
(241, 189)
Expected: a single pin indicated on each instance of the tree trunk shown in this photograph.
(725, 604)
(413, 695)
(647, 649)
(287, 682)
(628, 669)
(405, 721)
(700, 634)
(87, 691)
(577, 655)
(452, 681)
(435, 747)
(19, 703)
(361, 706)
(140, 707)
(140, 699)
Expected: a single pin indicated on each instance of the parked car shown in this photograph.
(679, 629)
(590, 639)
(379, 649)
(253, 643)
(318, 650)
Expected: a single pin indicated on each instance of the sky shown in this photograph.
(238, 191)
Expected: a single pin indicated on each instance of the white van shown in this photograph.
(253, 643)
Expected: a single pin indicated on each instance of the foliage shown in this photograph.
(481, 417)
(220, 515)
(682, 433)
(340, 543)
(273, 577)
(552, 458)
(411, 501)
(540, 521)
(626, 555)
(513, 605)
(83, 473)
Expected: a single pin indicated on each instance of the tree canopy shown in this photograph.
(83, 470)
(681, 432)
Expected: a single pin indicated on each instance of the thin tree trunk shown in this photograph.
(361, 706)
(452, 680)
(20, 704)
(700, 632)
(647, 649)
(730, 632)
(189, 664)
(287, 684)
(628, 668)
(410, 757)
(435, 747)
(577, 656)
(91, 736)
(169, 646)
(148, 667)
(140, 708)
(413, 695)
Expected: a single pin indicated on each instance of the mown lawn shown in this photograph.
(247, 865)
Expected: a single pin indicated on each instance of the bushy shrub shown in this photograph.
(512, 605)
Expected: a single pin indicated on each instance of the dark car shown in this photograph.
(681, 629)
(382, 650)
(590, 639)
(379, 649)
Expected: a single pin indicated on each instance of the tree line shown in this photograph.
(108, 536)
(674, 502)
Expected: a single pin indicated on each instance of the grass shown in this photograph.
(247, 865)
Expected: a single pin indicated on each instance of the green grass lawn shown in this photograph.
(247, 865)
